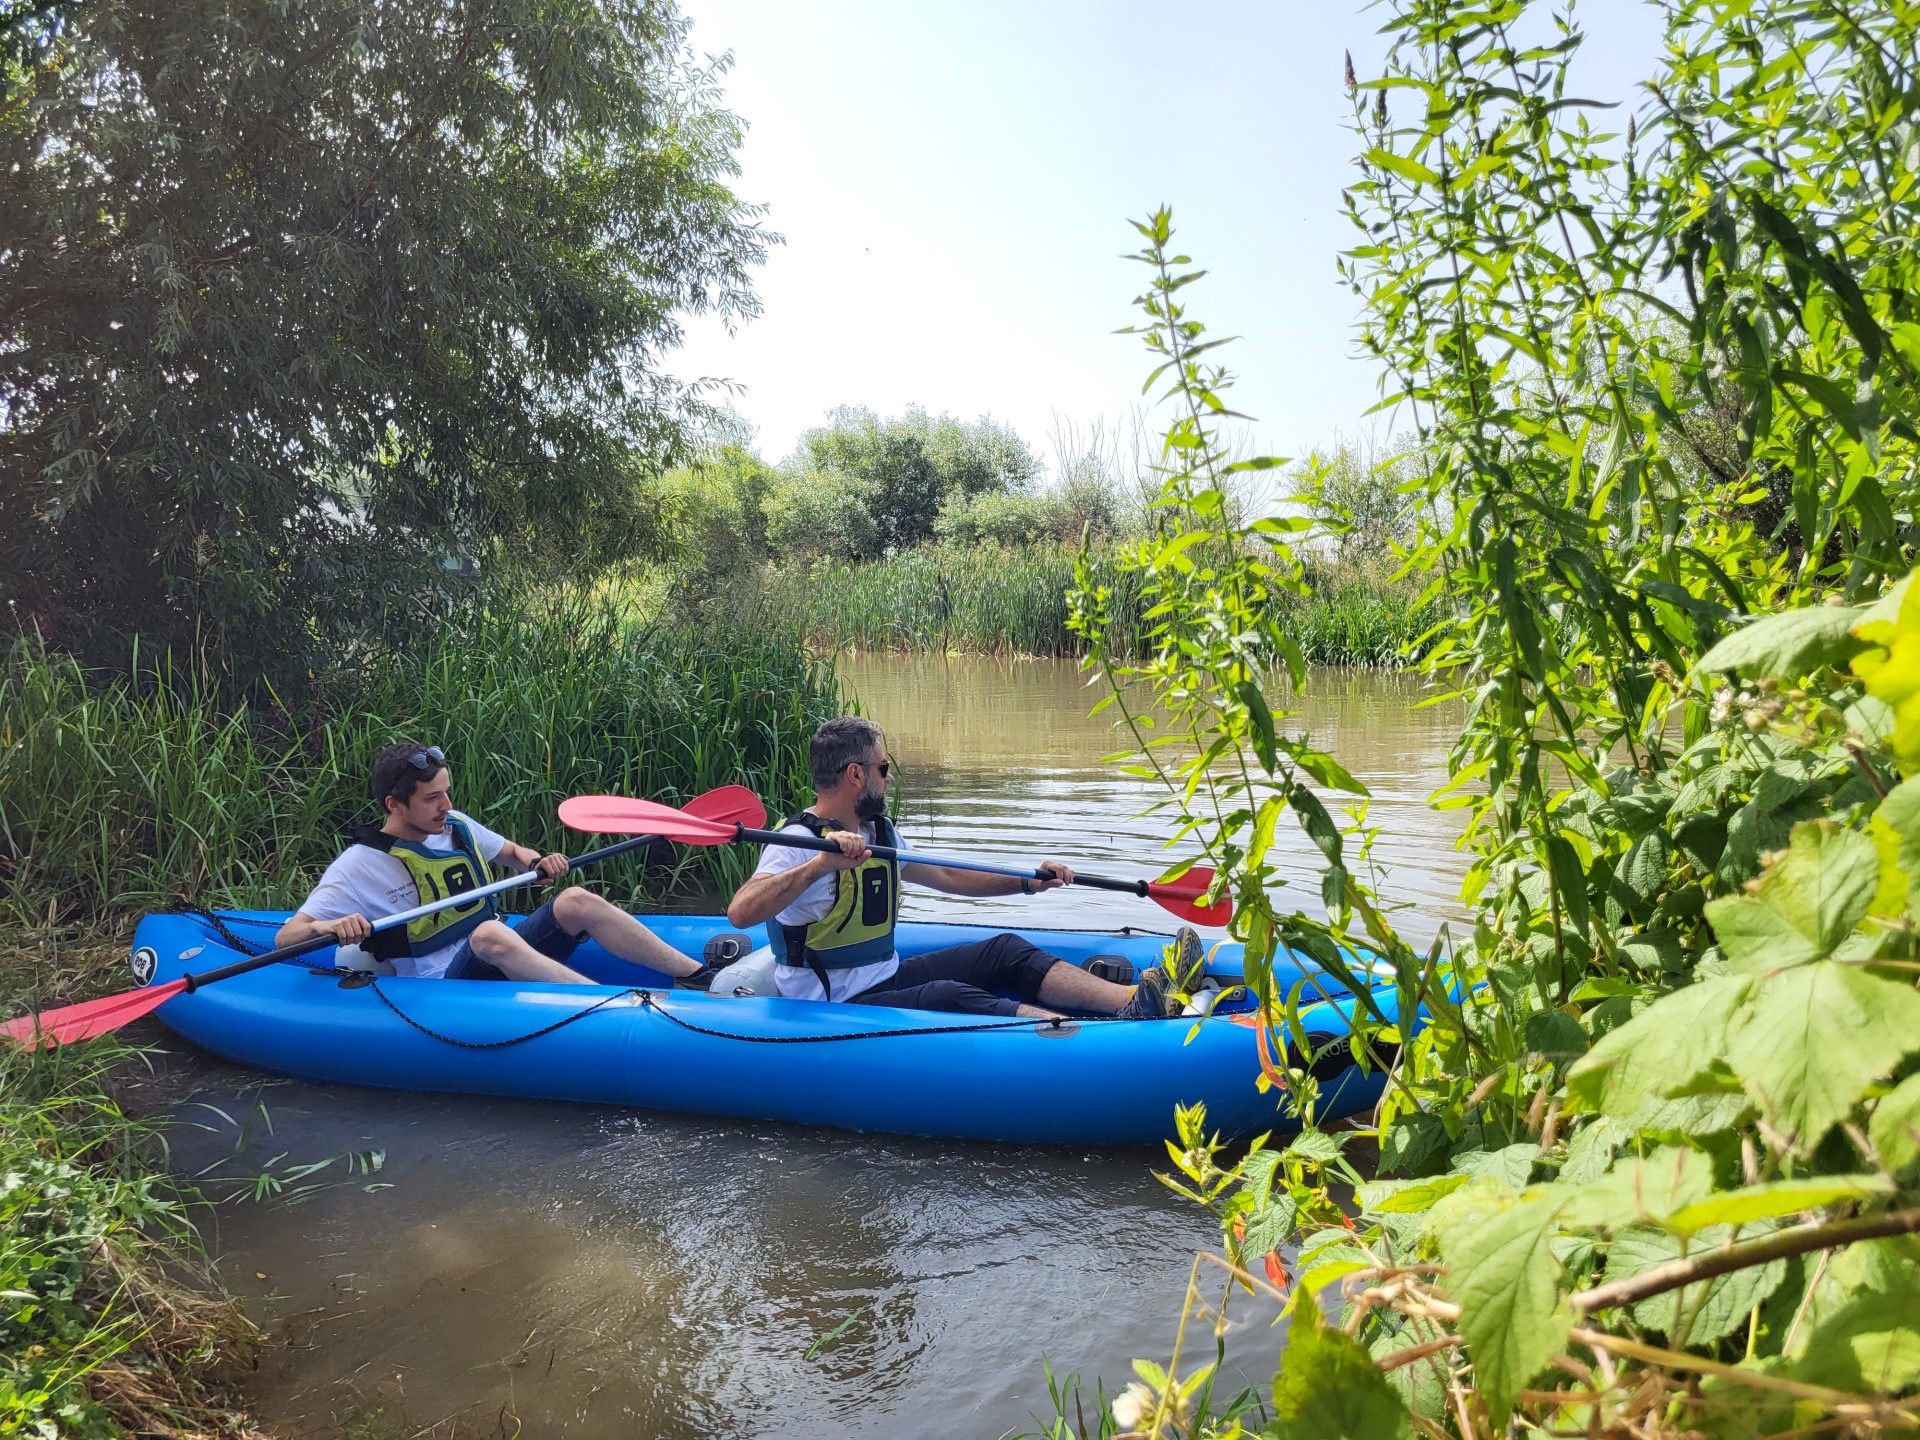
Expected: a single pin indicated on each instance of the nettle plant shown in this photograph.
(1645, 1161)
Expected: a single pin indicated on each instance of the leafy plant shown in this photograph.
(1645, 1154)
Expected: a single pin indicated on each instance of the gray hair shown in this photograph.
(837, 744)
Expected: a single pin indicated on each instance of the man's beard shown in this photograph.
(871, 805)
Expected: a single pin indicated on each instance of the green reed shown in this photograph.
(121, 793)
(995, 600)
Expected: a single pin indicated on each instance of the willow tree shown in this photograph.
(299, 298)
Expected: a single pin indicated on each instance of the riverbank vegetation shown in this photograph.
(105, 1330)
(1646, 1162)
(929, 534)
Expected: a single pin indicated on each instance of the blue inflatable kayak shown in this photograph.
(634, 1040)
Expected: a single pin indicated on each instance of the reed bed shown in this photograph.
(122, 793)
(994, 600)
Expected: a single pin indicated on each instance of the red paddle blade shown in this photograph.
(87, 1019)
(617, 815)
(1184, 897)
(730, 805)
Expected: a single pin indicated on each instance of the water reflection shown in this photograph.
(1000, 759)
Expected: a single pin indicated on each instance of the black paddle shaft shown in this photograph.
(888, 852)
(321, 942)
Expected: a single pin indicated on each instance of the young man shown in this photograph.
(427, 850)
(830, 915)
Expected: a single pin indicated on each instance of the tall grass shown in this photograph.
(985, 598)
(121, 793)
(996, 600)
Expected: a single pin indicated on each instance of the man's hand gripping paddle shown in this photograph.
(614, 815)
(730, 806)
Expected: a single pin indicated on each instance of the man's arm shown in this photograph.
(347, 930)
(765, 895)
(551, 867)
(974, 882)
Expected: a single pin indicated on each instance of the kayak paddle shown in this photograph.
(729, 805)
(616, 815)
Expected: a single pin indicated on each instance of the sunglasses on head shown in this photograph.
(426, 760)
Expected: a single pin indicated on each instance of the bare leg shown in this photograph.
(1034, 1012)
(1072, 988)
(496, 944)
(581, 912)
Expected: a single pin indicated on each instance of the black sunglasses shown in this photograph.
(425, 760)
(885, 767)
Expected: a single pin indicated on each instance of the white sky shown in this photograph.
(954, 180)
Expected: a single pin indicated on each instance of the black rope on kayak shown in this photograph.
(1056, 1022)
(373, 984)
(647, 1002)
(218, 924)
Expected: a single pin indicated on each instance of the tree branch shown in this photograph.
(1777, 1246)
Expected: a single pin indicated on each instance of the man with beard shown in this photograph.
(830, 915)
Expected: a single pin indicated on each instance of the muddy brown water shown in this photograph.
(520, 1268)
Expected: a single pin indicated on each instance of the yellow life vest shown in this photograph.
(436, 874)
(857, 928)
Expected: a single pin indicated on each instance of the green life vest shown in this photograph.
(436, 874)
(858, 927)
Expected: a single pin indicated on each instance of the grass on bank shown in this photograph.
(996, 600)
(110, 1322)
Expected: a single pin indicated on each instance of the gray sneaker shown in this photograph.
(1188, 965)
(1149, 1000)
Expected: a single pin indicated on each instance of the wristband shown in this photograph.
(1026, 886)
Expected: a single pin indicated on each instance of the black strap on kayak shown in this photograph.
(373, 984)
(218, 925)
(1063, 1023)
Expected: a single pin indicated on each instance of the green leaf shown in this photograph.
(1316, 1145)
(1871, 1343)
(1660, 1049)
(1808, 901)
(1329, 772)
(1510, 1165)
(1569, 880)
(1895, 1127)
(1328, 1387)
(1269, 1226)
(1703, 1312)
(1900, 811)
(1260, 718)
(1643, 1188)
(1404, 1197)
(1403, 167)
(1502, 1274)
(1812, 1041)
(1774, 1199)
(1788, 646)
(1556, 1035)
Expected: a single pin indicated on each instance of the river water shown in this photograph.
(542, 1269)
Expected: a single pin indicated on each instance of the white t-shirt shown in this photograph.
(370, 882)
(797, 982)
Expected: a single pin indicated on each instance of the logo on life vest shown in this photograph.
(143, 962)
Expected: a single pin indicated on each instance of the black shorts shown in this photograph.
(966, 979)
(540, 930)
